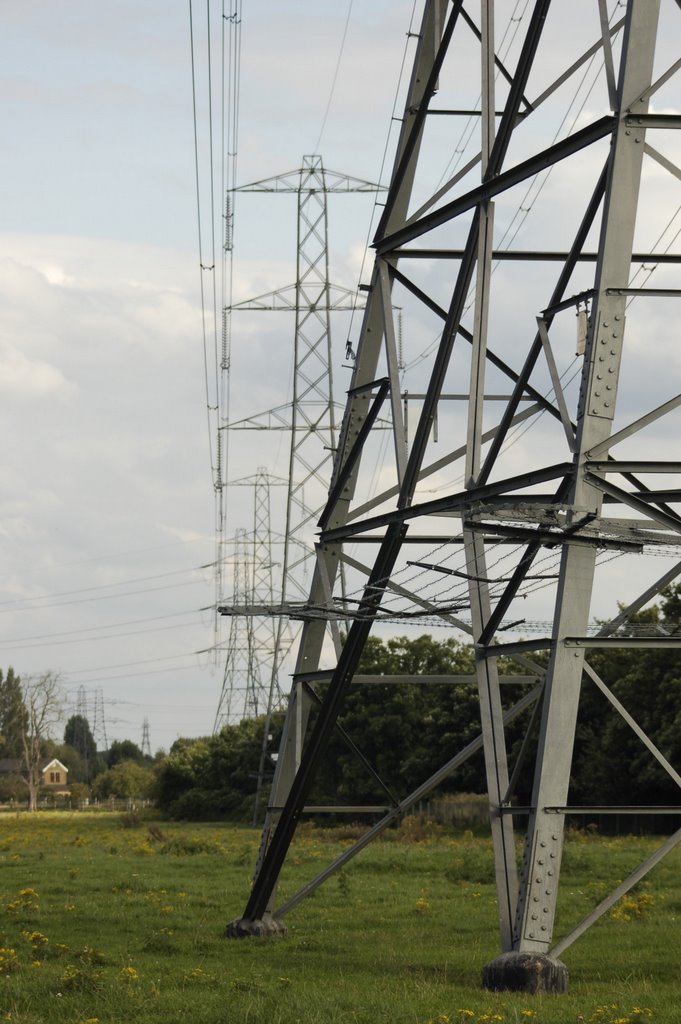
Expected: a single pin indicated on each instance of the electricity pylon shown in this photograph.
(241, 690)
(268, 631)
(310, 416)
(534, 491)
(90, 705)
(145, 746)
(251, 668)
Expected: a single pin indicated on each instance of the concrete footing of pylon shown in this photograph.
(242, 927)
(525, 972)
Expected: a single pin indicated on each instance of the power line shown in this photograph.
(316, 147)
(4, 605)
(131, 664)
(47, 640)
(51, 567)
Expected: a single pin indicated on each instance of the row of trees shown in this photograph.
(408, 731)
(405, 731)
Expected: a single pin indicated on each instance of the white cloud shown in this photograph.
(24, 378)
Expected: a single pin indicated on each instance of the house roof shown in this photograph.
(54, 763)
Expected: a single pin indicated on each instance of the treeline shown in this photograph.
(408, 731)
(405, 732)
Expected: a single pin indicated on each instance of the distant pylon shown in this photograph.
(84, 713)
(236, 694)
(99, 721)
(82, 708)
(146, 743)
(255, 635)
(273, 634)
(90, 704)
(311, 416)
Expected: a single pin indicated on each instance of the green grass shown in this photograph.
(122, 927)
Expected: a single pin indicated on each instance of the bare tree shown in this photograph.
(43, 701)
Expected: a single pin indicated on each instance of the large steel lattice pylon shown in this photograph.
(250, 677)
(310, 418)
(242, 690)
(535, 480)
(310, 415)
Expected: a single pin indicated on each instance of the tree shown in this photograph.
(12, 714)
(42, 696)
(215, 776)
(611, 764)
(124, 750)
(406, 730)
(77, 735)
(126, 780)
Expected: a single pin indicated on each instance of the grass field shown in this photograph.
(102, 923)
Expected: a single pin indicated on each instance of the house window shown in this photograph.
(55, 776)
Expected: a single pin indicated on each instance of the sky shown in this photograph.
(107, 521)
(107, 514)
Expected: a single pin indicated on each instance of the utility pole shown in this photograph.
(592, 481)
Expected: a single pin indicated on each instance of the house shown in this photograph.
(55, 776)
